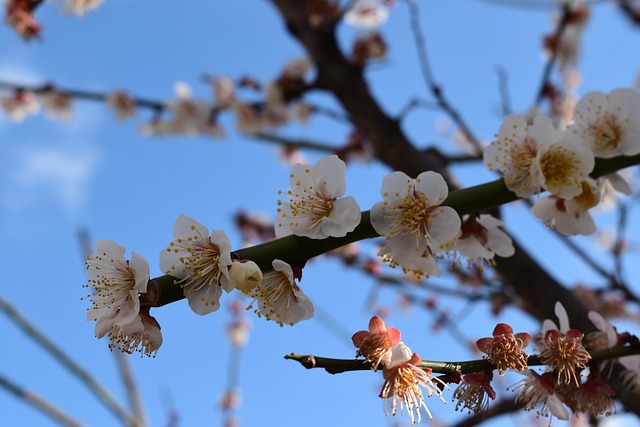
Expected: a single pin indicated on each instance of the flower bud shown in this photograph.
(246, 275)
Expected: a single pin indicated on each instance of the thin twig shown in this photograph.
(503, 89)
(84, 376)
(39, 403)
(296, 143)
(548, 67)
(133, 394)
(427, 74)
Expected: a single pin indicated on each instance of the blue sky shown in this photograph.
(94, 173)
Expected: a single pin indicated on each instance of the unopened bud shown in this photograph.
(245, 274)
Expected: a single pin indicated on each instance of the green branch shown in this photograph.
(337, 366)
(298, 250)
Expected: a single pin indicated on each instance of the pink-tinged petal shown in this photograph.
(377, 326)
(141, 272)
(433, 186)
(445, 224)
(548, 325)
(329, 173)
(484, 344)
(524, 337)
(415, 359)
(129, 309)
(393, 335)
(573, 334)
(502, 329)
(359, 336)
(186, 227)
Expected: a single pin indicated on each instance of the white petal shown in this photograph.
(395, 187)
(141, 272)
(445, 224)
(329, 173)
(563, 317)
(110, 249)
(186, 227)
(433, 186)
(205, 300)
(398, 354)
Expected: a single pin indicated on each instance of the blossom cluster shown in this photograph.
(538, 156)
(564, 353)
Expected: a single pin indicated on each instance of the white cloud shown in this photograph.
(62, 172)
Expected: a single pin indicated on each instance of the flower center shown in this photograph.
(606, 133)
(557, 166)
(202, 266)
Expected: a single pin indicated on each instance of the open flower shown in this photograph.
(514, 152)
(570, 217)
(538, 391)
(474, 392)
(403, 385)
(375, 343)
(367, 13)
(116, 283)
(413, 222)
(482, 238)
(142, 334)
(200, 261)
(279, 298)
(505, 350)
(316, 208)
(609, 124)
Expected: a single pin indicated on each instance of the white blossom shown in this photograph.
(80, 7)
(201, 262)
(367, 14)
(279, 298)
(116, 283)
(413, 222)
(316, 208)
(609, 124)
(482, 238)
(122, 104)
(20, 105)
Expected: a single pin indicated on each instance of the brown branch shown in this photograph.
(537, 291)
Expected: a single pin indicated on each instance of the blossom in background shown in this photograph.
(593, 397)
(57, 105)
(80, 7)
(605, 337)
(316, 208)
(412, 221)
(367, 47)
(19, 16)
(482, 238)
(223, 92)
(570, 217)
(609, 124)
(474, 392)
(367, 13)
(538, 391)
(279, 298)
(201, 263)
(20, 105)
(116, 283)
(374, 345)
(403, 383)
(515, 151)
(631, 376)
(505, 350)
(122, 104)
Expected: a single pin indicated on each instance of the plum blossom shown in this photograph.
(19, 16)
(570, 217)
(367, 14)
(514, 153)
(200, 262)
(279, 298)
(561, 348)
(20, 105)
(403, 384)
(316, 208)
(534, 157)
(223, 92)
(505, 350)
(538, 391)
(116, 283)
(245, 274)
(57, 105)
(122, 104)
(609, 124)
(474, 392)
(375, 344)
(142, 334)
(481, 237)
(412, 221)
(631, 377)
(80, 7)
